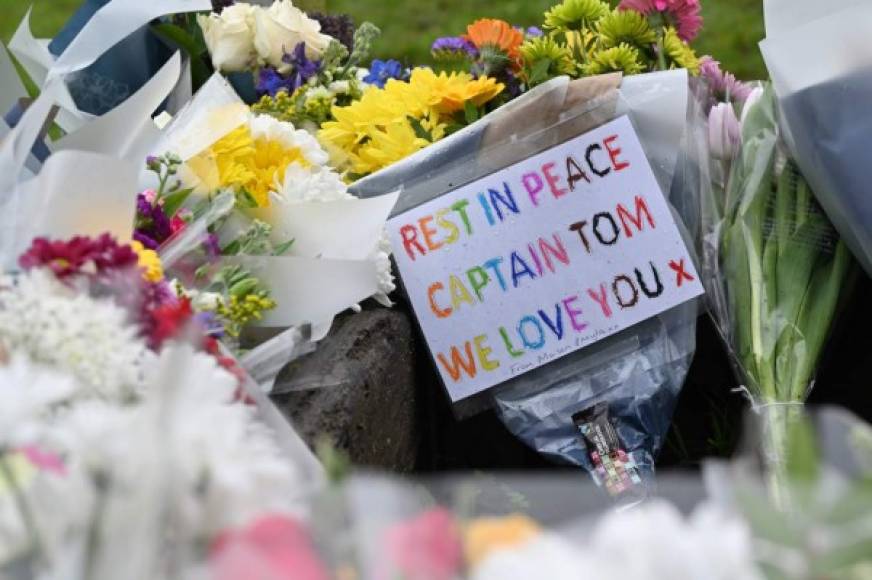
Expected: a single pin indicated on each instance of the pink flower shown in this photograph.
(425, 548)
(150, 196)
(43, 460)
(272, 548)
(683, 14)
(177, 224)
(724, 86)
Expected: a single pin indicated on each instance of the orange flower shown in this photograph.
(496, 33)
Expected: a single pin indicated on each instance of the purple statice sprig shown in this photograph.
(453, 48)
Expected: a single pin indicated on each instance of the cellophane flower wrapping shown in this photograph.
(776, 271)
(821, 67)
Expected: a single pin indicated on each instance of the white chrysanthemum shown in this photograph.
(643, 543)
(233, 472)
(270, 128)
(313, 184)
(69, 330)
(386, 282)
(26, 393)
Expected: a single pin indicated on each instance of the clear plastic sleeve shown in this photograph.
(824, 87)
(775, 267)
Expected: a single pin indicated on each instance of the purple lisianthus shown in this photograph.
(380, 71)
(453, 48)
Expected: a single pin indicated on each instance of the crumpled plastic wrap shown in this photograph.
(820, 62)
(638, 373)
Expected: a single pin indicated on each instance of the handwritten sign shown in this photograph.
(542, 258)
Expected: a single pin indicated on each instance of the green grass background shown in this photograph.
(732, 30)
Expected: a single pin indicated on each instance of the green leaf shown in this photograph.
(470, 112)
(232, 248)
(419, 129)
(181, 38)
(175, 200)
(245, 199)
(282, 248)
(539, 71)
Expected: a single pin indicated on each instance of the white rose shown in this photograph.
(280, 28)
(230, 37)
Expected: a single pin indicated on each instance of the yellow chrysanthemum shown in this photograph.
(622, 58)
(380, 128)
(396, 141)
(679, 53)
(243, 163)
(149, 261)
(487, 535)
(443, 92)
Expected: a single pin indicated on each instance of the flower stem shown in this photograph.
(93, 546)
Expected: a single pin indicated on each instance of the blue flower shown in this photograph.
(382, 70)
(270, 82)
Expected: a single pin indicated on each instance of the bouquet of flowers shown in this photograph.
(253, 222)
(580, 38)
(110, 390)
(776, 267)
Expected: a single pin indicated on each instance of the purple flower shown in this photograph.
(270, 82)
(339, 26)
(382, 70)
(210, 324)
(534, 32)
(724, 86)
(145, 240)
(212, 246)
(304, 69)
(453, 48)
(153, 227)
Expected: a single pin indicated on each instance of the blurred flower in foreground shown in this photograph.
(427, 547)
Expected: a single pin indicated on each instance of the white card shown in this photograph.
(541, 259)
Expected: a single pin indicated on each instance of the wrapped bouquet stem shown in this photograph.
(780, 271)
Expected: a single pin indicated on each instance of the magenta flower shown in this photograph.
(70, 257)
(425, 548)
(683, 14)
(725, 87)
